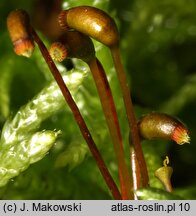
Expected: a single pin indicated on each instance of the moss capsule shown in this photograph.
(18, 25)
(91, 21)
(163, 126)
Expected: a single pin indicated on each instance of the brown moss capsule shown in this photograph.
(91, 21)
(18, 25)
(73, 44)
(163, 126)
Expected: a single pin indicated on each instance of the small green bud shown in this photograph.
(39, 144)
(164, 175)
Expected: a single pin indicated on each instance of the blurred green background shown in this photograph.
(158, 41)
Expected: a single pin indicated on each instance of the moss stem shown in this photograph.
(78, 117)
(111, 116)
(130, 114)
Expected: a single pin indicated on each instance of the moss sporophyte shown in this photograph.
(79, 25)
